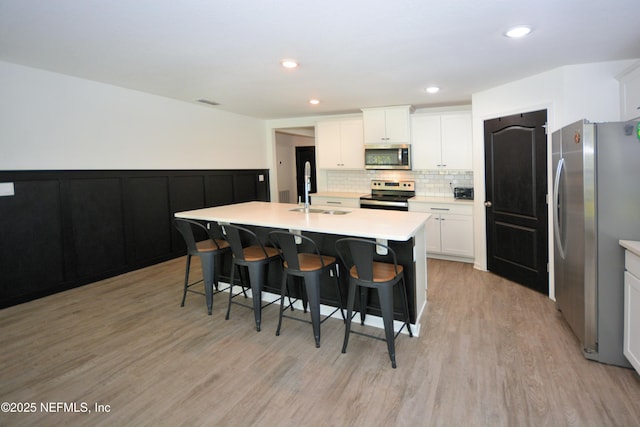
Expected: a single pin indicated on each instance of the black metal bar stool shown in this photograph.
(249, 252)
(208, 250)
(303, 259)
(357, 255)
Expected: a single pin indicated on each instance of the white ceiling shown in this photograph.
(352, 53)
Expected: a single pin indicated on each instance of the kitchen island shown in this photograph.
(402, 231)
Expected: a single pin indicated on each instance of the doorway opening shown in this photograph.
(294, 145)
(516, 198)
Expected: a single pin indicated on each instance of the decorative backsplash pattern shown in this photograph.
(431, 183)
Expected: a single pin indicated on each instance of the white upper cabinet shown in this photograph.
(339, 144)
(387, 125)
(630, 93)
(442, 141)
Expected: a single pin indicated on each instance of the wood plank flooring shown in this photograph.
(491, 353)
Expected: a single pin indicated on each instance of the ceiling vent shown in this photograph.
(206, 101)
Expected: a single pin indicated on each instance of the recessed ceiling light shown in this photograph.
(289, 63)
(432, 89)
(314, 102)
(517, 32)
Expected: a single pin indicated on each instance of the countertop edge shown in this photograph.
(445, 200)
(631, 245)
(277, 215)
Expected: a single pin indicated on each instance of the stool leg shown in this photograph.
(216, 273)
(337, 282)
(350, 301)
(385, 295)
(283, 288)
(207, 273)
(186, 280)
(312, 287)
(364, 294)
(233, 271)
(256, 277)
(406, 307)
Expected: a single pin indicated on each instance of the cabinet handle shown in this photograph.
(439, 209)
(331, 202)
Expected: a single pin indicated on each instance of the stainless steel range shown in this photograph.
(390, 195)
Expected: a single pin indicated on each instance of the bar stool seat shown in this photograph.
(301, 258)
(207, 250)
(248, 251)
(357, 255)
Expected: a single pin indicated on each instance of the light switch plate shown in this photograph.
(7, 189)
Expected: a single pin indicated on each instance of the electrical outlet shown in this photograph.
(7, 189)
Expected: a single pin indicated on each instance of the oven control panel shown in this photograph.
(393, 185)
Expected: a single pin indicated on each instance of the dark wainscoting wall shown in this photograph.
(64, 229)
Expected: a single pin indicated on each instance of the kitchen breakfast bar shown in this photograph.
(404, 232)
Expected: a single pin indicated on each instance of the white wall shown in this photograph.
(571, 93)
(54, 121)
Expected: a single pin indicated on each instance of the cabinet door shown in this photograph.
(631, 339)
(457, 235)
(432, 227)
(397, 126)
(374, 126)
(328, 144)
(425, 146)
(630, 95)
(456, 141)
(351, 146)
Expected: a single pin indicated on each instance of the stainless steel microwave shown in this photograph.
(387, 156)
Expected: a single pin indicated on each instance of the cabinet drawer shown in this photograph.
(632, 263)
(335, 201)
(443, 208)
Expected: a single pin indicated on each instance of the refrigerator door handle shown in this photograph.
(556, 206)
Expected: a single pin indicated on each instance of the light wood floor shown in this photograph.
(491, 353)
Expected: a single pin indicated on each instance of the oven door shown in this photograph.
(384, 204)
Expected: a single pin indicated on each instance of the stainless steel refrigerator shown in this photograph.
(596, 202)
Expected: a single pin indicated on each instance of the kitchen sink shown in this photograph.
(332, 212)
(322, 211)
(310, 210)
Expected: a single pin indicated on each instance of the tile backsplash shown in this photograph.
(431, 183)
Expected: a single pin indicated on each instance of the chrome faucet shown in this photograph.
(307, 185)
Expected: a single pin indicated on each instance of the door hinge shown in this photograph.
(546, 198)
(547, 267)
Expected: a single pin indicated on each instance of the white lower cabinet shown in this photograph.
(631, 341)
(449, 230)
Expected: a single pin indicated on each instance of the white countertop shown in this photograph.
(338, 194)
(631, 245)
(433, 199)
(373, 223)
